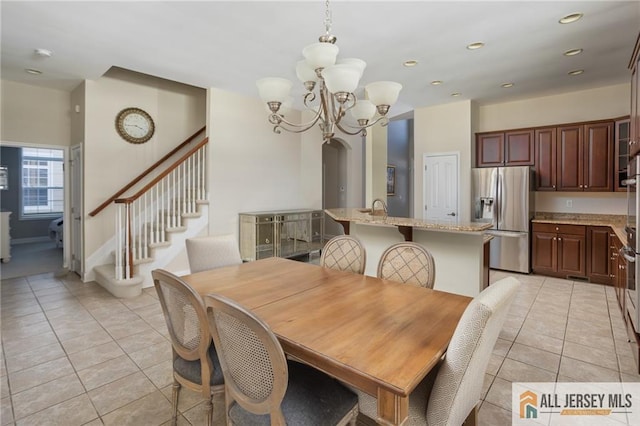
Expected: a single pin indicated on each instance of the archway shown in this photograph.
(334, 182)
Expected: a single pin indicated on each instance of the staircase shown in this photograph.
(152, 223)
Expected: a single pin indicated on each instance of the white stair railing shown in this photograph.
(145, 218)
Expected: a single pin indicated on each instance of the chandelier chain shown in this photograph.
(327, 18)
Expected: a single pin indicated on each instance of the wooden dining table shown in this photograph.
(379, 336)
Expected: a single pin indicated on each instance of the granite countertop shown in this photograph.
(363, 216)
(616, 222)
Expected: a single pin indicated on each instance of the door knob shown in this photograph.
(451, 214)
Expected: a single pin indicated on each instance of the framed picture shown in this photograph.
(391, 180)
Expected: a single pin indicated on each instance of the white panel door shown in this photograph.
(440, 184)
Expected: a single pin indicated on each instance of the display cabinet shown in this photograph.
(284, 233)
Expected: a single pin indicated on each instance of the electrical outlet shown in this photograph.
(569, 203)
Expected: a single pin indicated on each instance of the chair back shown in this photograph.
(408, 262)
(344, 253)
(212, 252)
(253, 362)
(458, 385)
(185, 316)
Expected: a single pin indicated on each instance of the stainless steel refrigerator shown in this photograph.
(503, 196)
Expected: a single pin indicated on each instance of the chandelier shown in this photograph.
(336, 81)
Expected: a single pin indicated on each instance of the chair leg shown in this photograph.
(472, 418)
(209, 405)
(174, 401)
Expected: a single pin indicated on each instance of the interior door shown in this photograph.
(76, 264)
(440, 185)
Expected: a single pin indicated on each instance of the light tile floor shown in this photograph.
(72, 354)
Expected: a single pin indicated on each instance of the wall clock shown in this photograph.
(135, 125)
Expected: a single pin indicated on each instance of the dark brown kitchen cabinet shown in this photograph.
(634, 66)
(559, 250)
(621, 155)
(570, 158)
(512, 148)
(545, 152)
(490, 150)
(598, 256)
(617, 265)
(585, 157)
(598, 160)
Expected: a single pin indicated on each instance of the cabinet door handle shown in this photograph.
(559, 239)
(553, 186)
(554, 238)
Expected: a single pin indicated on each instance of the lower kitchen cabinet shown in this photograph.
(559, 250)
(618, 269)
(598, 255)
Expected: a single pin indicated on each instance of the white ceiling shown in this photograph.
(231, 44)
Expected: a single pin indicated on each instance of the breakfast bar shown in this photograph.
(457, 247)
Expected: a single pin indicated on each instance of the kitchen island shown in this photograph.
(457, 247)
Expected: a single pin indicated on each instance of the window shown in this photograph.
(42, 191)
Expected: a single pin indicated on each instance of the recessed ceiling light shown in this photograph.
(45, 53)
(436, 82)
(456, 94)
(507, 85)
(575, 72)
(410, 63)
(573, 52)
(33, 71)
(571, 18)
(476, 45)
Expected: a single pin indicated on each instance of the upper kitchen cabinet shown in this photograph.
(545, 150)
(634, 66)
(598, 160)
(584, 158)
(512, 148)
(621, 156)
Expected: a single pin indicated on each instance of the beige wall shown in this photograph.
(32, 114)
(444, 129)
(251, 168)
(594, 104)
(109, 161)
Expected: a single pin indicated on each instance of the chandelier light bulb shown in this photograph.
(363, 110)
(356, 63)
(341, 78)
(274, 89)
(305, 72)
(320, 55)
(383, 92)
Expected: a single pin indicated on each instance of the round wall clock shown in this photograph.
(135, 125)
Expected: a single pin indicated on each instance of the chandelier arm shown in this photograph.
(343, 130)
(277, 120)
(384, 119)
(280, 126)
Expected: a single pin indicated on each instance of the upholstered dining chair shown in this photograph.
(195, 362)
(262, 386)
(408, 262)
(344, 253)
(450, 393)
(212, 252)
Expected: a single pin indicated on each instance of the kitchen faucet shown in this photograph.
(373, 206)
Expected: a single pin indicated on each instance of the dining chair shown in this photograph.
(195, 362)
(344, 253)
(408, 262)
(450, 393)
(262, 386)
(212, 252)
